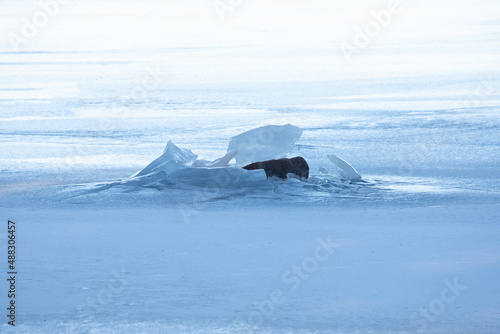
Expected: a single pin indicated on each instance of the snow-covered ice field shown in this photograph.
(92, 96)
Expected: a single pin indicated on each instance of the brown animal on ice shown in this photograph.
(281, 167)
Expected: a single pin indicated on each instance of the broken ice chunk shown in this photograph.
(171, 159)
(264, 143)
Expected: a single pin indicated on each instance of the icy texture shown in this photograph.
(264, 143)
(179, 168)
(390, 263)
(207, 182)
(346, 170)
(215, 179)
(420, 120)
(171, 159)
(220, 162)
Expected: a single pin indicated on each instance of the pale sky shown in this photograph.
(295, 38)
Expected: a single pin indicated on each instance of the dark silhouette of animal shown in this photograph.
(281, 167)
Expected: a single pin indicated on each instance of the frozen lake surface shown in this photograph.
(95, 95)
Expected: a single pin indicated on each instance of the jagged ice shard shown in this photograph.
(180, 168)
(264, 143)
(345, 169)
(170, 160)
